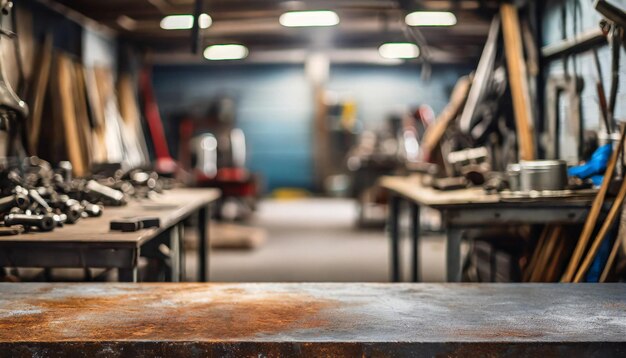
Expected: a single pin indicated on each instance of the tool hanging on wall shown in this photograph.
(602, 104)
(616, 49)
(572, 87)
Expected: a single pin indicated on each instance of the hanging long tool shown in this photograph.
(518, 80)
(601, 235)
(601, 95)
(616, 45)
(594, 213)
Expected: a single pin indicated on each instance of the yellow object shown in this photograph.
(348, 115)
(290, 193)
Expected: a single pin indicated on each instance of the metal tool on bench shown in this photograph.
(42, 222)
(37, 197)
(130, 224)
(472, 164)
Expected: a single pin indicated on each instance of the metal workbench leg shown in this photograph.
(415, 238)
(203, 247)
(172, 273)
(182, 252)
(127, 275)
(453, 255)
(394, 236)
(130, 274)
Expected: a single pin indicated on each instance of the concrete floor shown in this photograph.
(315, 240)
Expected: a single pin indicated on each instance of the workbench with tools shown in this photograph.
(469, 208)
(95, 245)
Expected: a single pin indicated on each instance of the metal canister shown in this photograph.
(540, 175)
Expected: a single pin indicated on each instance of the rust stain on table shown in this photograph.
(180, 313)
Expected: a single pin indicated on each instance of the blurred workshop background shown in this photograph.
(296, 110)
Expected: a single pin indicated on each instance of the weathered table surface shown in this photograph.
(312, 319)
(170, 207)
(411, 187)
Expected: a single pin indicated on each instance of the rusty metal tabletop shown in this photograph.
(309, 319)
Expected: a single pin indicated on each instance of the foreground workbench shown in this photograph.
(312, 320)
(90, 243)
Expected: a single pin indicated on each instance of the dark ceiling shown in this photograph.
(364, 24)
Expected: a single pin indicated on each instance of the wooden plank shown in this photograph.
(24, 30)
(546, 254)
(615, 210)
(537, 253)
(82, 115)
(67, 107)
(38, 93)
(312, 319)
(434, 132)
(99, 153)
(118, 146)
(617, 245)
(594, 213)
(129, 110)
(554, 269)
(518, 81)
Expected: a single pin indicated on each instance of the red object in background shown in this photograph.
(232, 174)
(236, 182)
(164, 161)
(185, 130)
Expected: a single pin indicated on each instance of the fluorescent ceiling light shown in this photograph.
(309, 18)
(430, 18)
(226, 52)
(400, 50)
(184, 22)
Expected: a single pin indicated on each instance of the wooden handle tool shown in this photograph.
(594, 213)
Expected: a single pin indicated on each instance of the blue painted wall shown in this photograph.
(275, 105)
(274, 109)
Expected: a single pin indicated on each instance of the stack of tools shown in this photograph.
(35, 196)
(136, 183)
